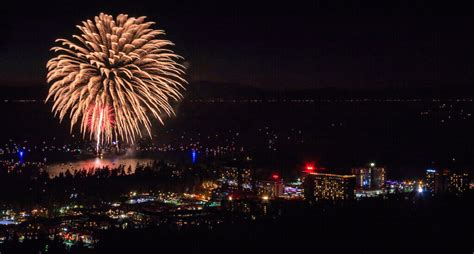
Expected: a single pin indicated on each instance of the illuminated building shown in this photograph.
(430, 180)
(318, 186)
(293, 190)
(378, 178)
(363, 178)
(236, 178)
(406, 186)
(437, 181)
(446, 181)
(278, 189)
(369, 177)
(441, 181)
(369, 193)
(458, 182)
(273, 189)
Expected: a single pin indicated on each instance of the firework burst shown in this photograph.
(112, 77)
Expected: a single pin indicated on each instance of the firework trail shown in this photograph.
(113, 76)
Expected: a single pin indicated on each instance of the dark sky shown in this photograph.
(291, 45)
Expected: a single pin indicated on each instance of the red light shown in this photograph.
(310, 167)
(275, 176)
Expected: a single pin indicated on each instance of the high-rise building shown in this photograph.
(437, 180)
(440, 181)
(458, 182)
(318, 186)
(363, 178)
(369, 177)
(430, 180)
(272, 188)
(378, 178)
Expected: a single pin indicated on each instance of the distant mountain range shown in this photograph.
(211, 90)
(203, 90)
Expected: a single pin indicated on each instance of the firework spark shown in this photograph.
(100, 119)
(113, 77)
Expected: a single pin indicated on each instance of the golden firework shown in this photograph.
(113, 77)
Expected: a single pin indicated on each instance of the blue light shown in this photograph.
(7, 222)
(20, 154)
(193, 156)
(431, 171)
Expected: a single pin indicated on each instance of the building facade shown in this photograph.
(369, 178)
(430, 180)
(458, 182)
(318, 187)
(441, 181)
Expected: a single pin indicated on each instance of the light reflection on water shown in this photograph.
(90, 164)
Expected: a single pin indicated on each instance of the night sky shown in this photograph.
(292, 45)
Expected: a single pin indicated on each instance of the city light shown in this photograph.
(20, 155)
(358, 146)
(310, 167)
(193, 156)
(332, 186)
